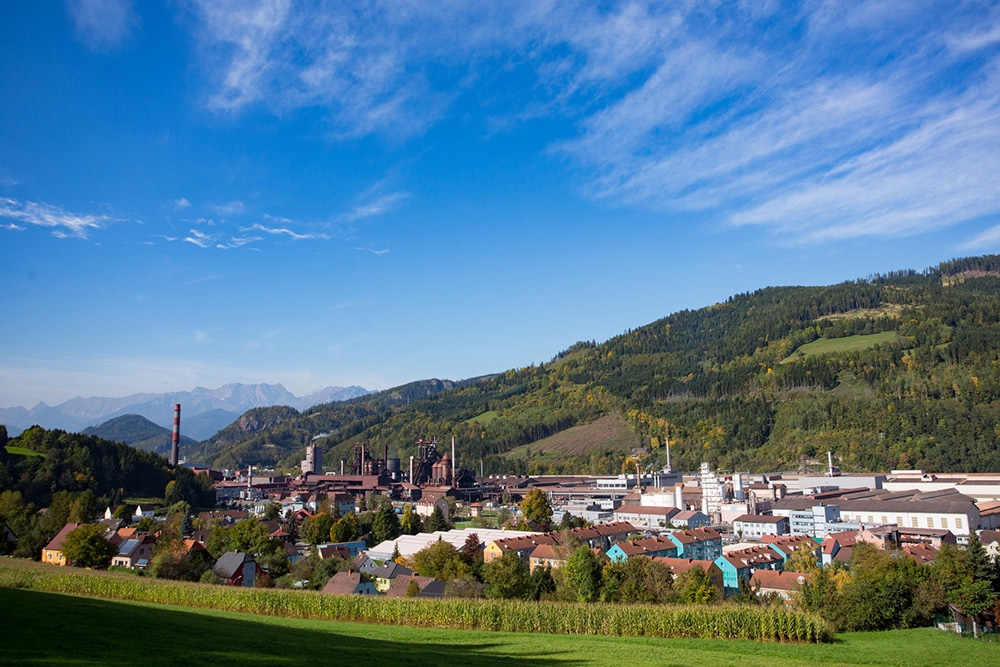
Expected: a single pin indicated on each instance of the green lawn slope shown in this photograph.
(48, 628)
(845, 344)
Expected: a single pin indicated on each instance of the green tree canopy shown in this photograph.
(507, 577)
(87, 546)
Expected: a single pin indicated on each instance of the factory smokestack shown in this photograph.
(454, 462)
(175, 442)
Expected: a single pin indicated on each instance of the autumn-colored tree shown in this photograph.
(535, 507)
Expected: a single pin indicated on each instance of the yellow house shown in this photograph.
(53, 553)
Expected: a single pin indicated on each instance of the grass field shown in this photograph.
(49, 628)
(609, 432)
(845, 344)
(14, 449)
(484, 419)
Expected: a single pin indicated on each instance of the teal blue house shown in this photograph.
(653, 546)
(741, 564)
(697, 544)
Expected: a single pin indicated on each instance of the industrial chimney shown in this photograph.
(454, 463)
(175, 442)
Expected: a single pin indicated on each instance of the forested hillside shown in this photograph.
(896, 370)
(137, 431)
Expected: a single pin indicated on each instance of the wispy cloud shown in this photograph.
(824, 120)
(283, 231)
(103, 25)
(7, 178)
(230, 208)
(63, 223)
(987, 239)
(374, 206)
(180, 203)
(373, 251)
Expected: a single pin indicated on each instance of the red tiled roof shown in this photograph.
(681, 565)
(696, 535)
(775, 580)
(56, 544)
(343, 583)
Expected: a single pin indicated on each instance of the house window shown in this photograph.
(899, 521)
(944, 522)
(915, 522)
(930, 522)
(884, 519)
(871, 519)
(958, 524)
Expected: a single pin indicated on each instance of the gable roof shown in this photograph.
(640, 547)
(777, 580)
(989, 536)
(56, 543)
(343, 583)
(753, 556)
(696, 535)
(400, 584)
(390, 570)
(681, 565)
(230, 563)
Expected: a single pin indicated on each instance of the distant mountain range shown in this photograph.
(137, 431)
(203, 411)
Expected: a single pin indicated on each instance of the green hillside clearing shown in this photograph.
(51, 628)
(24, 451)
(484, 419)
(845, 344)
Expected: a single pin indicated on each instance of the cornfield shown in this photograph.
(724, 622)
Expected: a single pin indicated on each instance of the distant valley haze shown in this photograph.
(203, 411)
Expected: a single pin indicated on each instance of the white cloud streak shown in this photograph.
(63, 223)
(829, 120)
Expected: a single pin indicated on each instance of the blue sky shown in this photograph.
(198, 192)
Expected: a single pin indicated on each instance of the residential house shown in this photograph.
(652, 546)
(522, 546)
(427, 587)
(143, 512)
(383, 575)
(889, 537)
(135, 552)
(690, 519)
(756, 526)
(236, 568)
(349, 583)
(364, 564)
(785, 585)
(53, 551)
(737, 565)
(551, 555)
(788, 544)
(679, 566)
(991, 542)
(325, 552)
(838, 547)
(921, 553)
(699, 543)
(343, 501)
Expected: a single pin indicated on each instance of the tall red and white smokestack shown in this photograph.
(175, 443)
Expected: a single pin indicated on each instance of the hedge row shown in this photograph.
(724, 622)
